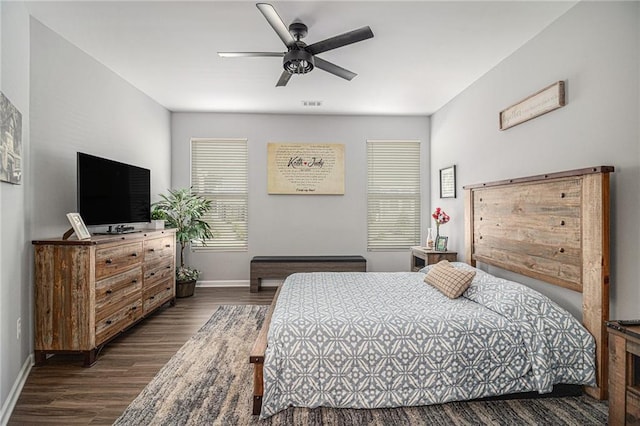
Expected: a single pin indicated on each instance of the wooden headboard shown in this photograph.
(554, 228)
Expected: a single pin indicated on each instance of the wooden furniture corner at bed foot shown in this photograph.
(256, 357)
(257, 405)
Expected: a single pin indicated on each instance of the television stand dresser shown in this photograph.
(88, 291)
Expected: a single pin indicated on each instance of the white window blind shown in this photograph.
(219, 172)
(393, 194)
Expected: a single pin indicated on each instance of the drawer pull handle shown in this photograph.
(168, 245)
(109, 261)
(168, 266)
(108, 322)
(152, 297)
(152, 274)
(134, 254)
(133, 308)
(134, 281)
(152, 250)
(109, 291)
(168, 288)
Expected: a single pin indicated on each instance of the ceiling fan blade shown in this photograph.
(340, 40)
(334, 69)
(250, 54)
(276, 23)
(284, 79)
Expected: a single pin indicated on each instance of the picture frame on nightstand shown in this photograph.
(441, 243)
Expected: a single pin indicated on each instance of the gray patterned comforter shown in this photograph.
(370, 340)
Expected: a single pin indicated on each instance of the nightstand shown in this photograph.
(421, 257)
(624, 374)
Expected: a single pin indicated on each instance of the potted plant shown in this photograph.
(183, 211)
(157, 219)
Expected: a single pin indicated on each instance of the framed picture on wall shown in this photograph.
(10, 142)
(448, 182)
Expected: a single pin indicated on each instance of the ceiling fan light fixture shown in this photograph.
(298, 62)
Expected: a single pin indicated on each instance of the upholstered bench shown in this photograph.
(280, 267)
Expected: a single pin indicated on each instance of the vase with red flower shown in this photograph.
(440, 217)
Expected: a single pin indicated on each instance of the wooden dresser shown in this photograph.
(86, 292)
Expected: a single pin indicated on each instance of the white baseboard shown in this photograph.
(10, 403)
(236, 283)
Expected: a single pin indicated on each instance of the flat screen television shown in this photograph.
(110, 192)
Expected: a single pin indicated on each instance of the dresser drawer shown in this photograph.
(113, 260)
(118, 321)
(113, 291)
(157, 271)
(158, 248)
(157, 295)
(633, 406)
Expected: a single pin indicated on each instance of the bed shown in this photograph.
(368, 340)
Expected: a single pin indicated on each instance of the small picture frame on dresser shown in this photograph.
(78, 226)
(441, 243)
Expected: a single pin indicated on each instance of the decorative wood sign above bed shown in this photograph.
(307, 169)
(554, 228)
(544, 101)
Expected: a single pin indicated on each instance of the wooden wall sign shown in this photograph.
(541, 102)
(305, 168)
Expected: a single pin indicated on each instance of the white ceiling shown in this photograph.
(422, 55)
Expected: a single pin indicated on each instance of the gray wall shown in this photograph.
(298, 224)
(595, 48)
(70, 103)
(15, 291)
(79, 105)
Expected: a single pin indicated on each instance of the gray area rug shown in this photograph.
(209, 381)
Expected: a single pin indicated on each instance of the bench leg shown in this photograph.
(254, 284)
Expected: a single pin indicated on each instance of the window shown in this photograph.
(219, 172)
(393, 194)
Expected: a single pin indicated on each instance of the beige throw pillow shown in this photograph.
(450, 281)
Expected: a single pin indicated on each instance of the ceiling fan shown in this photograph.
(300, 58)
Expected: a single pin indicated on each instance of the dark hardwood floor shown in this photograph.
(63, 392)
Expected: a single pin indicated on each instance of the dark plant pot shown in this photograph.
(185, 288)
